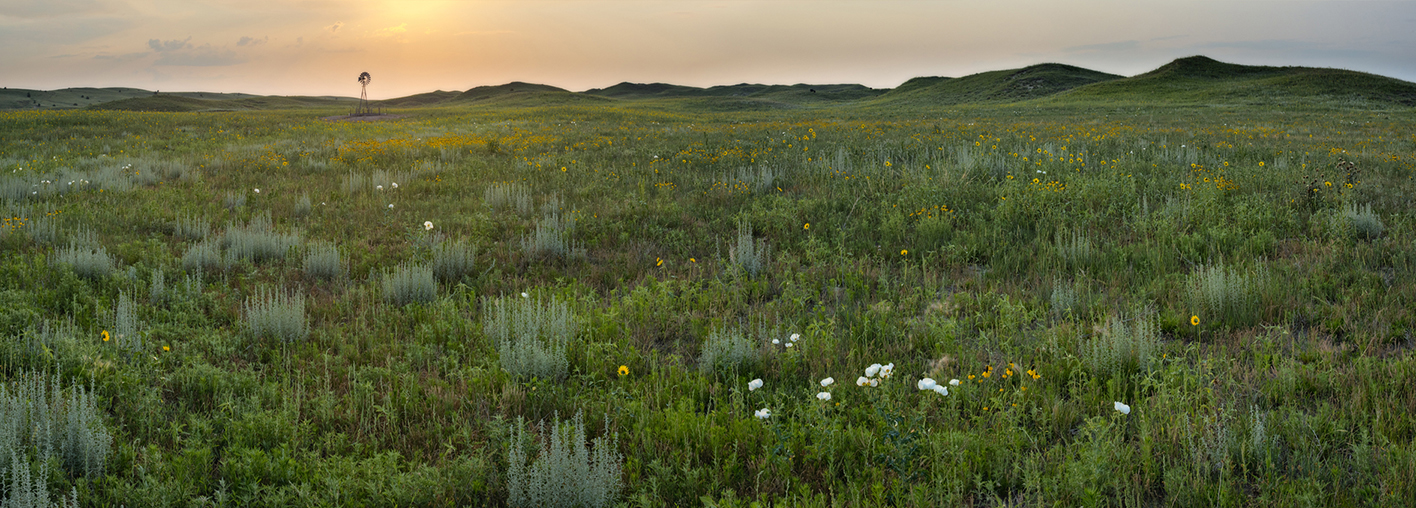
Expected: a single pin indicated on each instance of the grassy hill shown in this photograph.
(514, 87)
(418, 100)
(1012, 85)
(1202, 80)
(799, 93)
(186, 103)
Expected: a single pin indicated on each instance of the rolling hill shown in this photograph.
(1185, 81)
(1202, 80)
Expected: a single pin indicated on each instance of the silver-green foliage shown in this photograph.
(322, 261)
(452, 260)
(1076, 250)
(257, 241)
(1225, 294)
(531, 338)
(234, 199)
(127, 330)
(41, 419)
(303, 206)
(752, 256)
(1070, 298)
(410, 283)
(728, 350)
(157, 291)
(191, 228)
(90, 261)
(1123, 346)
(551, 237)
(1361, 222)
(565, 473)
(508, 196)
(278, 314)
(204, 255)
(32, 491)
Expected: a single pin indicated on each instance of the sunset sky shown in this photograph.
(319, 47)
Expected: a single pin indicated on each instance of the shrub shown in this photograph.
(1075, 250)
(1361, 223)
(205, 255)
(191, 228)
(127, 330)
(410, 283)
(87, 261)
(508, 196)
(1070, 298)
(42, 230)
(234, 199)
(1224, 295)
(551, 238)
(276, 314)
(728, 350)
(452, 260)
(39, 417)
(257, 241)
(157, 292)
(322, 261)
(566, 473)
(531, 338)
(748, 254)
(303, 206)
(1123, 346)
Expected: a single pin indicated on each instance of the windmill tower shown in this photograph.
(364, 79)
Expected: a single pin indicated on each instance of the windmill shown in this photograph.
(364, 79)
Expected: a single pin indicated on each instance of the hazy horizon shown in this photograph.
(318, 47)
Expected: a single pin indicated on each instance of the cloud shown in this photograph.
(1109, 47)
(393, 30)
(335, 27)
(247, 40)
(161, 46)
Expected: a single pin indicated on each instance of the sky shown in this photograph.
(319, 47)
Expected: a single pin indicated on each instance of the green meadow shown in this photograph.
(1193, 287)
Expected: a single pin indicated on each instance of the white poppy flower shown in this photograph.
(862, 381)
(258, 191)
(754, 384)
(775, 341)
(953, 382)
(395, 185)
(795, 336)
(941, 389)
(763, 413)
(875, 382)
(390, 206)
(827, 382)
(926, 384)
(789, 344)
(1124, 409)
(872, 370)
(887, 370)
(824, 395)
(379, 187)
(524, 295)
(428, 225)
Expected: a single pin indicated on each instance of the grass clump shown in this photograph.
(322, 261)
(204, 255)
(88, 261)
(551, 237)
(750, 255)
(1076, 250)
(728, 350)
(508, 196)
(191, 228)
(276, 314)
(1361, 223)
(531, 338)
(303, 206)
(1123, 346)
(40, 419)
(1224, 294)
(257, 241)
(452, 260)
(565, 473)
(410, 283)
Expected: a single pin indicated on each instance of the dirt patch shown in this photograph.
(362, 118)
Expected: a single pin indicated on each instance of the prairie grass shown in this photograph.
(1240, 279)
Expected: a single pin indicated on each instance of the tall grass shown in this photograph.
(277, 314)
(565, 473)
(531, 338)
(410, 283)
